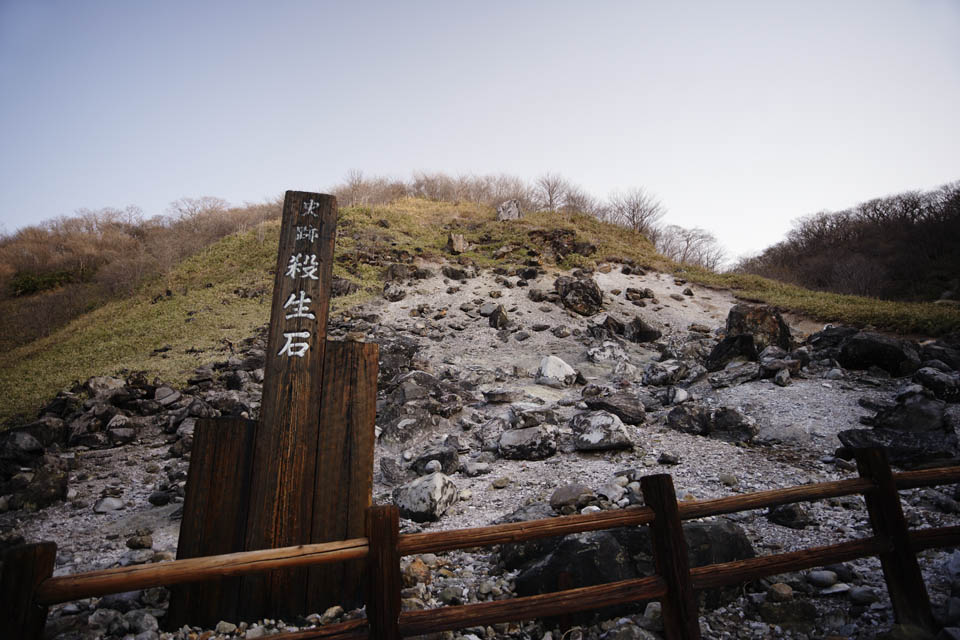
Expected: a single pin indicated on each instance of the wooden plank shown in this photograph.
(908, 593)
(98, 583)
(680, 610)
(214, 517)
(532, 607)
(285, 455)
(772, 498)
(24, 568)
(935, 538)
(739, 571)
(383, 572)
(437, 541)
(926, 477)
(344, 477)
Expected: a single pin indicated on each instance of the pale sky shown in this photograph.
(740, 116)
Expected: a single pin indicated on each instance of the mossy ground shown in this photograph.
(203, 315)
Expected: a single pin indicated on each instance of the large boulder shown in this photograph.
(597, 557)
(446, 454)
(509, 210)
(733, 374)
(599, 431)
(530, 443)
(580, 295)
(723, 423)
(554, 372)
(866, 349)
(945, 386)
(731, 348)
(426, 498)
(904, 448)
(917, 429)
(627, 406)
(637, 330)
(939, 350)
(763, 322)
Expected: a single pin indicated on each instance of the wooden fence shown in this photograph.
(27, 587)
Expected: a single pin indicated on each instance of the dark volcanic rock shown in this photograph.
(603, 556)
(446, 455)
(763, 322)
(724, 423)
(531, 443)
(945, 386)
(625, 405)
(865, 350)
(581, 295)
(904, 448)
(730, 348)
(639, 331)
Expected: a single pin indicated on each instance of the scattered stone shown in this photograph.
(580, 295)
(668, 459)
(599, 431)
(794, 516)
(456, 244)
(763, 322)
(531, 443)
(499, 319)
(625, 405)
(865, 350)
(426, 498)
(822, 578)
(509, 210)
(105, 505)
(779, 592)
(554, 372)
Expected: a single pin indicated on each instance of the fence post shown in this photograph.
(383, 572)
(680, 615)
(24, 568)
(908, 593)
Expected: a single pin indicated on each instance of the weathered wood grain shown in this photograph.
(383, 572)
(25, 567)
(935, 538)
(98, 583)
(908, 592)
(343, 487)
(287, 436)
(740, 571)
(532, 607)
(437, 541)
(772, 498)
(214, 517)
(926, 477)
(680, 615)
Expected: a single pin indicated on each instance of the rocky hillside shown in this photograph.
(515, 387)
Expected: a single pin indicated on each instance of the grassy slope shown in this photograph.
(204, 311)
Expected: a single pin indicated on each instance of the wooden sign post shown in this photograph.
(304, 472)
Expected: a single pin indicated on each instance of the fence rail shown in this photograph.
(27, 586)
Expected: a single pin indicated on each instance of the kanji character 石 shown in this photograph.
(310, 207)
(300, 308)
(303, 265)
(295, 348)
(307, 233)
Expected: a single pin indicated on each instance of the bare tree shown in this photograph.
(550, 190)
(690, 246)
(637, 209)
(577, 200)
